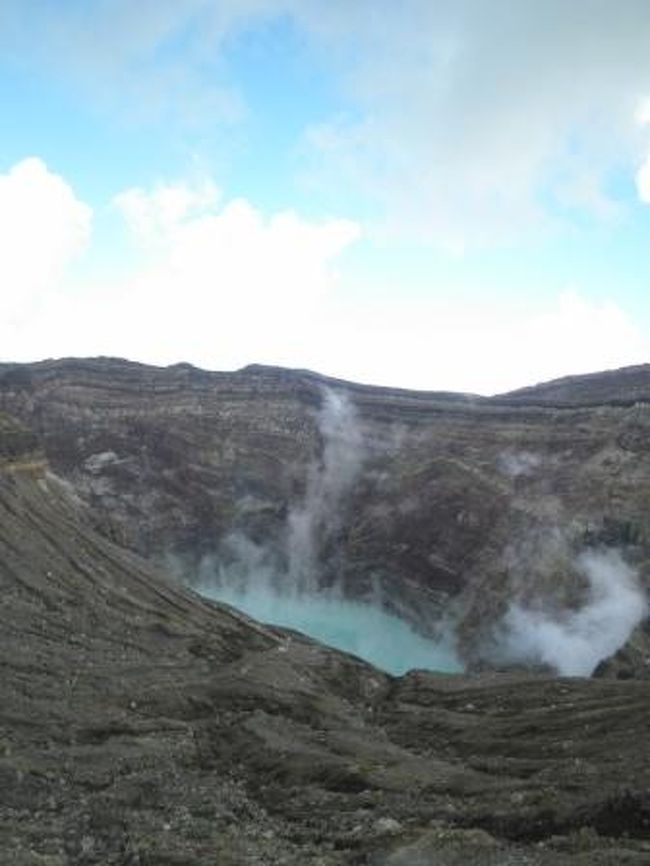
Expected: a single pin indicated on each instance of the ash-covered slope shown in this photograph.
(142, 725)
(438, 504)
(483, 510)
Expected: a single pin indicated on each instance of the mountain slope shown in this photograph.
(140, 724)
(441, 504)
(624, 386)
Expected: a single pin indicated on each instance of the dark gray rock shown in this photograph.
(455, 505)
(141, 724)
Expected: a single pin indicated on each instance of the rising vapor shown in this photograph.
(318, 517)
(251, 578)
(573, 642)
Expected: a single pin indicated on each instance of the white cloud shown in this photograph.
(464, 121)
(43, 228)
(233, 258)
(643, 181)
(473, 121)
(219, 284)
(151, 62)
(642, 113)
(230, 285)
(574, 335)
(152, 217)
(480, 347)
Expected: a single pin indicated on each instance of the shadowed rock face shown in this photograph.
(455, 504)
(140, 724)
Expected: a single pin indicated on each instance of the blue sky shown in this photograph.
(450, 195)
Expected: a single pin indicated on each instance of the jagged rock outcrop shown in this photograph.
(455, 503)
(141, 724)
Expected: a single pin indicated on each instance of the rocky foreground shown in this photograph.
(141, 724)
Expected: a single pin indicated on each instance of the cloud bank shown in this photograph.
(235, 284)
(475, 121)
(43, 228)
(481, 345)
(465, 122)
(216, 282)
(220, 283)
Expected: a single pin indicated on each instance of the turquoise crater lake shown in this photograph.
(360, 628)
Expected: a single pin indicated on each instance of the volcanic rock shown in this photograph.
(142, 724)
(455, 505)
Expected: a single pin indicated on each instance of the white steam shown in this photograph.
(298, 581)
(312, 523)
(574, 642)
(251, 577)
(318, 517)
(516, 463)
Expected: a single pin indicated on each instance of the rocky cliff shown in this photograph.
(141, 724)
(445, 506)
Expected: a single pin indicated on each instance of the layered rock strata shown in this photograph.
(140, 724)
(453, 505)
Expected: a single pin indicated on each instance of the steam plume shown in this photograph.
(254, 581)
(312, 523)
(574, 642)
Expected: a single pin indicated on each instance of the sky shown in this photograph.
(449, 195)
